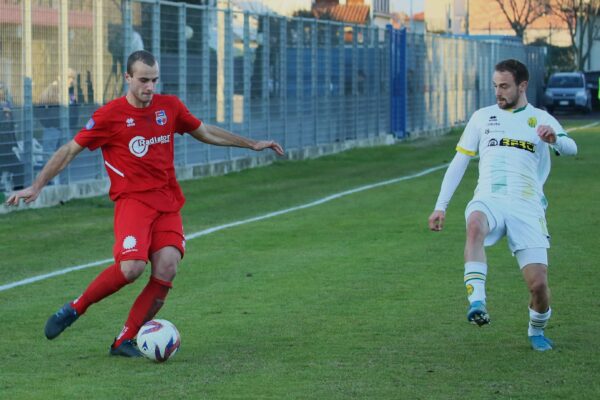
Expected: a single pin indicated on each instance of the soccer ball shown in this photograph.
(158, 340)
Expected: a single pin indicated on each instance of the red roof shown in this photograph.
(354, 14)
(419, 16)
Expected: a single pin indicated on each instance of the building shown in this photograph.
(362, 12)
(484, 17)
(592, 33)
(286, 8)
(380, 12)
(416, 24)
(350, 11)
(440, 16)
(365, 12)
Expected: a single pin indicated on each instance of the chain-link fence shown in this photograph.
(449, 78)
(303, 82)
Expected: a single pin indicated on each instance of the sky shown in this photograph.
(405, 5)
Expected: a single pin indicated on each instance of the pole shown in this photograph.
(467, 19)
(411, 17)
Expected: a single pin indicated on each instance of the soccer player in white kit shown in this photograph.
(514, 141)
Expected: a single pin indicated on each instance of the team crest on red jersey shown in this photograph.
(161, 117)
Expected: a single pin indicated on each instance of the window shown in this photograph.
(381, 6)
(565, 82)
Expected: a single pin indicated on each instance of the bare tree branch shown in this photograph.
(583, 22)
(521, 13)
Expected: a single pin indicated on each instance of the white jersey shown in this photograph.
(514, 162)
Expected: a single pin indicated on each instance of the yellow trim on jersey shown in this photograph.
(466, 152)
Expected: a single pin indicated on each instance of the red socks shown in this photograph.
(106, 283)
(145, 307)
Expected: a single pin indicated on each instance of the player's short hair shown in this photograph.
(516, 68)
(141, 55)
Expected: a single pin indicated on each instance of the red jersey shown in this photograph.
(137, 146)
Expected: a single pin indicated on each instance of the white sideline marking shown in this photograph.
(232, 224)
(584, 127)
(254, 219)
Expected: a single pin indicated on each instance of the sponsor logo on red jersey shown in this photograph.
(138, 146)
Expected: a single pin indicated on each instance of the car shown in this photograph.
(568, 91)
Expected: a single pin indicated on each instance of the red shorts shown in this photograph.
(141, 231)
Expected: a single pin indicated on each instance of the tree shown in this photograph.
(583, 22)
(558, 58)
(521, 13)
(323, 14)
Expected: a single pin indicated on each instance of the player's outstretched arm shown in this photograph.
(561, 143)
(57, 163)
(452, 178)
(211, 134)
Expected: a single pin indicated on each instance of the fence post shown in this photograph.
(228, 84)
(247, 75)
(327, 55)
(98, 52)
(377, 80)
(182, 52)
(127, 35)
(313, 80)
(353, 81)
(156, 38)
(266, 73)
(300, 81)
(283, 76)
(342, 111)
(366, 79)
(398, 79)
(28, 160)
(63, 96)
(183, 67)
(206, 21)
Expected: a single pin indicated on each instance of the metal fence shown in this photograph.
(302, 82)
(448, 78)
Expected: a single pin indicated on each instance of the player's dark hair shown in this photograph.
(516, 68)
(141, 55)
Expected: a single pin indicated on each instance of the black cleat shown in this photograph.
(126, 349)
(60, 321)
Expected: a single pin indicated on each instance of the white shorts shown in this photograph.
(537, 255)
(523, 224)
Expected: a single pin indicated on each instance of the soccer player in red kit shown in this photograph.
(135, 134)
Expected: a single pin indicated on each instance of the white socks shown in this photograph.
(537, 322)
(475, 274)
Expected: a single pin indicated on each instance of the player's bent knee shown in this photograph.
(165, 271)
(538, 286)
(165, 262)
(476, 230)
(132, 269)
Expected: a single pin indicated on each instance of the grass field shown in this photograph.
(354, 298)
